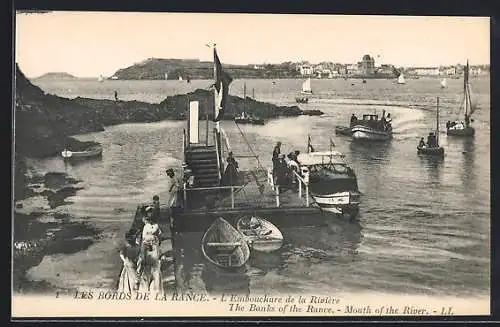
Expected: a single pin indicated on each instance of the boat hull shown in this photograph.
(267, 238)
(339, 203)
(364, 133)
(466, 131)
(225, 248)
(306, 92)
(249, 121)
(94, 152)
(342, 130)
(437, 151)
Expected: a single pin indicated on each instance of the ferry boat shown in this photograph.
(244, 118)
(333, 183)
(371, 128)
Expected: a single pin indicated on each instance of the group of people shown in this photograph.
(283, 171)
(146, 234)
(432, 141)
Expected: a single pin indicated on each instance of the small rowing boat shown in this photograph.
(260, 234)
(93, 151)
(224, 247)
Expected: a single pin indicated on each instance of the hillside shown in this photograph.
(155, 68)
(56, 76)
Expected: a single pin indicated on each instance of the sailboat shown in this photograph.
(443, 83)
(401, 79)
(100, 78)
(432, 148)
(243, 118)
(463, 128)
(166, 76)
(180, 78)
(306, 87)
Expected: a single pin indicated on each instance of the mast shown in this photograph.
(466, 86)
(437, 122)
(244, 98)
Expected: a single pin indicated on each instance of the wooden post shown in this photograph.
(232, 197)
(185, 196)
(307, 195)
(300, 188)
(277, 189)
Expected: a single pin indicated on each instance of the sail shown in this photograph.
(401, 79)
(306, 86)
(443, 82)
(180, 78)
(100, 78)
(166, 75)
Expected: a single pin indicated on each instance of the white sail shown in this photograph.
(443, 83)
(166, 75)
(306, 86)
(180, 78)
(401, 79)
(100, 78)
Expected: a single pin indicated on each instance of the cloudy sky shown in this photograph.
(88, 44)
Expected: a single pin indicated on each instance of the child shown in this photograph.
(150, 242)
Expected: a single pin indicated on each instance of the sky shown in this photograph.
(88, 44)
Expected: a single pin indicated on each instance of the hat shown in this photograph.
(156, 197)
(169, 170)
(148, 209)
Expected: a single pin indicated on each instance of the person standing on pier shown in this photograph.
(172, 187)
(150, 242)
(231, 175)
(116, 95)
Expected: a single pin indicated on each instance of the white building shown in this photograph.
(306, 70)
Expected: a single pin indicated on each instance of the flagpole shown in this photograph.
(217, 124)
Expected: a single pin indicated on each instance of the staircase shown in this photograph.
(202, 160)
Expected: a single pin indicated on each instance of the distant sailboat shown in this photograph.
(306, 86)
(443, 83)
(401, 79)
(100, 78)
(166, 75)
(180, 78)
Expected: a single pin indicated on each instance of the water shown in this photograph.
(423, 228)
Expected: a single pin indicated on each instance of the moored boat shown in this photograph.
(302, 100)
(260, 234)
(93, 151)
(224, 247)
(463, 128)
(370, 128)
(244, 118)
(332, 182)
(432, 147)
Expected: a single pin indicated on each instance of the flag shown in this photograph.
(222, 81)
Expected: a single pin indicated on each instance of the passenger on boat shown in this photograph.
(448, 124)
(150, 241)
(276, 153)
(421, 144)
(467, 121)
(354, 119)
(431, 140)
(231, 175)
(388, 119)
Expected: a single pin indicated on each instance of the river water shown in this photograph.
(423, 228)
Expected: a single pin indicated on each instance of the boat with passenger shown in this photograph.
(371, 128)
(432, 146)
(332, 182)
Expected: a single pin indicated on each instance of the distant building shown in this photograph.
(367, 65)
(424, 71)
(306, 70)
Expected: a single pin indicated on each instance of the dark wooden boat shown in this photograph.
(371, 128)
(433, 150)
(225, 247)
(302, 100)
(263, 237)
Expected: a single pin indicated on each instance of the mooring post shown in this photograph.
(232, 197)
(306, 181)
(185, 195)
(300, 187)
(277, 189)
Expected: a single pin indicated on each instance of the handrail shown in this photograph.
(219, 166)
